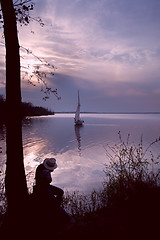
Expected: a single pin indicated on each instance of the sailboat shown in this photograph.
(77, 120)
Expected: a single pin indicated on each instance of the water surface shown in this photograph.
(81, 152)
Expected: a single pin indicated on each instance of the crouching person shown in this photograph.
(47, 198)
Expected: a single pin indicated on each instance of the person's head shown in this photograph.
(50, 164)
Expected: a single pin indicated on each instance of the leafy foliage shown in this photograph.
(27, 110)
(23, 10)
(40, 71)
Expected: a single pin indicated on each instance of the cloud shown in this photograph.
(94, 35)
(108, 49)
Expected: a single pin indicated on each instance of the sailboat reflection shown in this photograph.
(78, 136)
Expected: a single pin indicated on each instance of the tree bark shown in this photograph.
(15, 180)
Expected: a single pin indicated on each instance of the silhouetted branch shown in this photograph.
(42, 60)
(40, 75)
(22, 12)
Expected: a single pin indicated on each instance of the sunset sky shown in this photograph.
(108, 49)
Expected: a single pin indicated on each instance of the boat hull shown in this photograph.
(79, 123)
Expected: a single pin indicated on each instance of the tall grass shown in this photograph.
(79, 204)
(3, 202)
(131, 167)
(132, 170)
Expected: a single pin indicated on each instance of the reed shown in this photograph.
(131, 166)
(132, 172)
(131, 176)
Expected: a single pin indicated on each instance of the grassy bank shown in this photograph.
(128, 204)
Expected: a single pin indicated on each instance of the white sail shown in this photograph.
(77, 119)
(77, 114)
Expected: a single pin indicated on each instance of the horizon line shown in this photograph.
(147, 112)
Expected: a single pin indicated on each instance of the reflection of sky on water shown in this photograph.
(80, 152)
(76, 172)
(78, 166)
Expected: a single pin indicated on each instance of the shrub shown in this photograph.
(80, 204)
(129, 169)
(131, 176)
(3, 201)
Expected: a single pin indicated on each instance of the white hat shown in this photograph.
(50, 163)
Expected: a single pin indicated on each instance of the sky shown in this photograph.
(108, 49)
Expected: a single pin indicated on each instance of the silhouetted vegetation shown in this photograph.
(27, 110)
(2, 109)
(17, 197)
(127, 204)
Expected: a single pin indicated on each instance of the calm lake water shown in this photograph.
(80, 152)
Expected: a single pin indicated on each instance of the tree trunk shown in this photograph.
(15, 180)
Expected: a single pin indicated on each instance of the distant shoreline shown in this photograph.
(109, 112)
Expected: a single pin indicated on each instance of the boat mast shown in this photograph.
(77, 119)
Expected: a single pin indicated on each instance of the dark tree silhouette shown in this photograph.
(15, 180)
